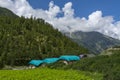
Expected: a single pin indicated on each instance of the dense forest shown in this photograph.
(23, 39)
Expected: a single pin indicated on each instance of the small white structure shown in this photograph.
(32, 67)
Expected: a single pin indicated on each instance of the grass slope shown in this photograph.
(48, 74)
(108, 65)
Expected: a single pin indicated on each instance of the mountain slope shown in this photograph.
(94, 41)
(6, 12)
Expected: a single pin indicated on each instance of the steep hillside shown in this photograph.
(24, 39)
(94, 41)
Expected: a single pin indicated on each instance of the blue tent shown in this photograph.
(50, 60)
(69, 57)
(36, 62)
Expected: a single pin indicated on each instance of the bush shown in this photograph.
(1, 63)
(107, 65)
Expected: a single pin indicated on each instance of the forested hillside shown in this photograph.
(24, 39)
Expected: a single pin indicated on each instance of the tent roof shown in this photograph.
(36, 62)
(69, 57)
(53, 60)
(50, 60)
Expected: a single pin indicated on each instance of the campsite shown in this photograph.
(59, 40)
(66, 59)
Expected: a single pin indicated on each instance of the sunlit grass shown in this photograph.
(48, 74)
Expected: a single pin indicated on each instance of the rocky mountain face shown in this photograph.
(94, 41)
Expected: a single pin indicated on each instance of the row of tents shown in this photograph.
(53, 60)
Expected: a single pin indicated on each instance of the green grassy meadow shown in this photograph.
(48, 74)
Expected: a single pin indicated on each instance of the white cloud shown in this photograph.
(68, 11)
(53, 10)
(95, 22)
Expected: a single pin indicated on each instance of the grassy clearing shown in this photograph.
(48, 74)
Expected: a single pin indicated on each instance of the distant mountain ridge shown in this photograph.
(6, 12)
(94, 41)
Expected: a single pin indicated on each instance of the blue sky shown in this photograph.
(84, 7)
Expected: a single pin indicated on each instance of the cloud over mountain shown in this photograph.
(68, 22)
